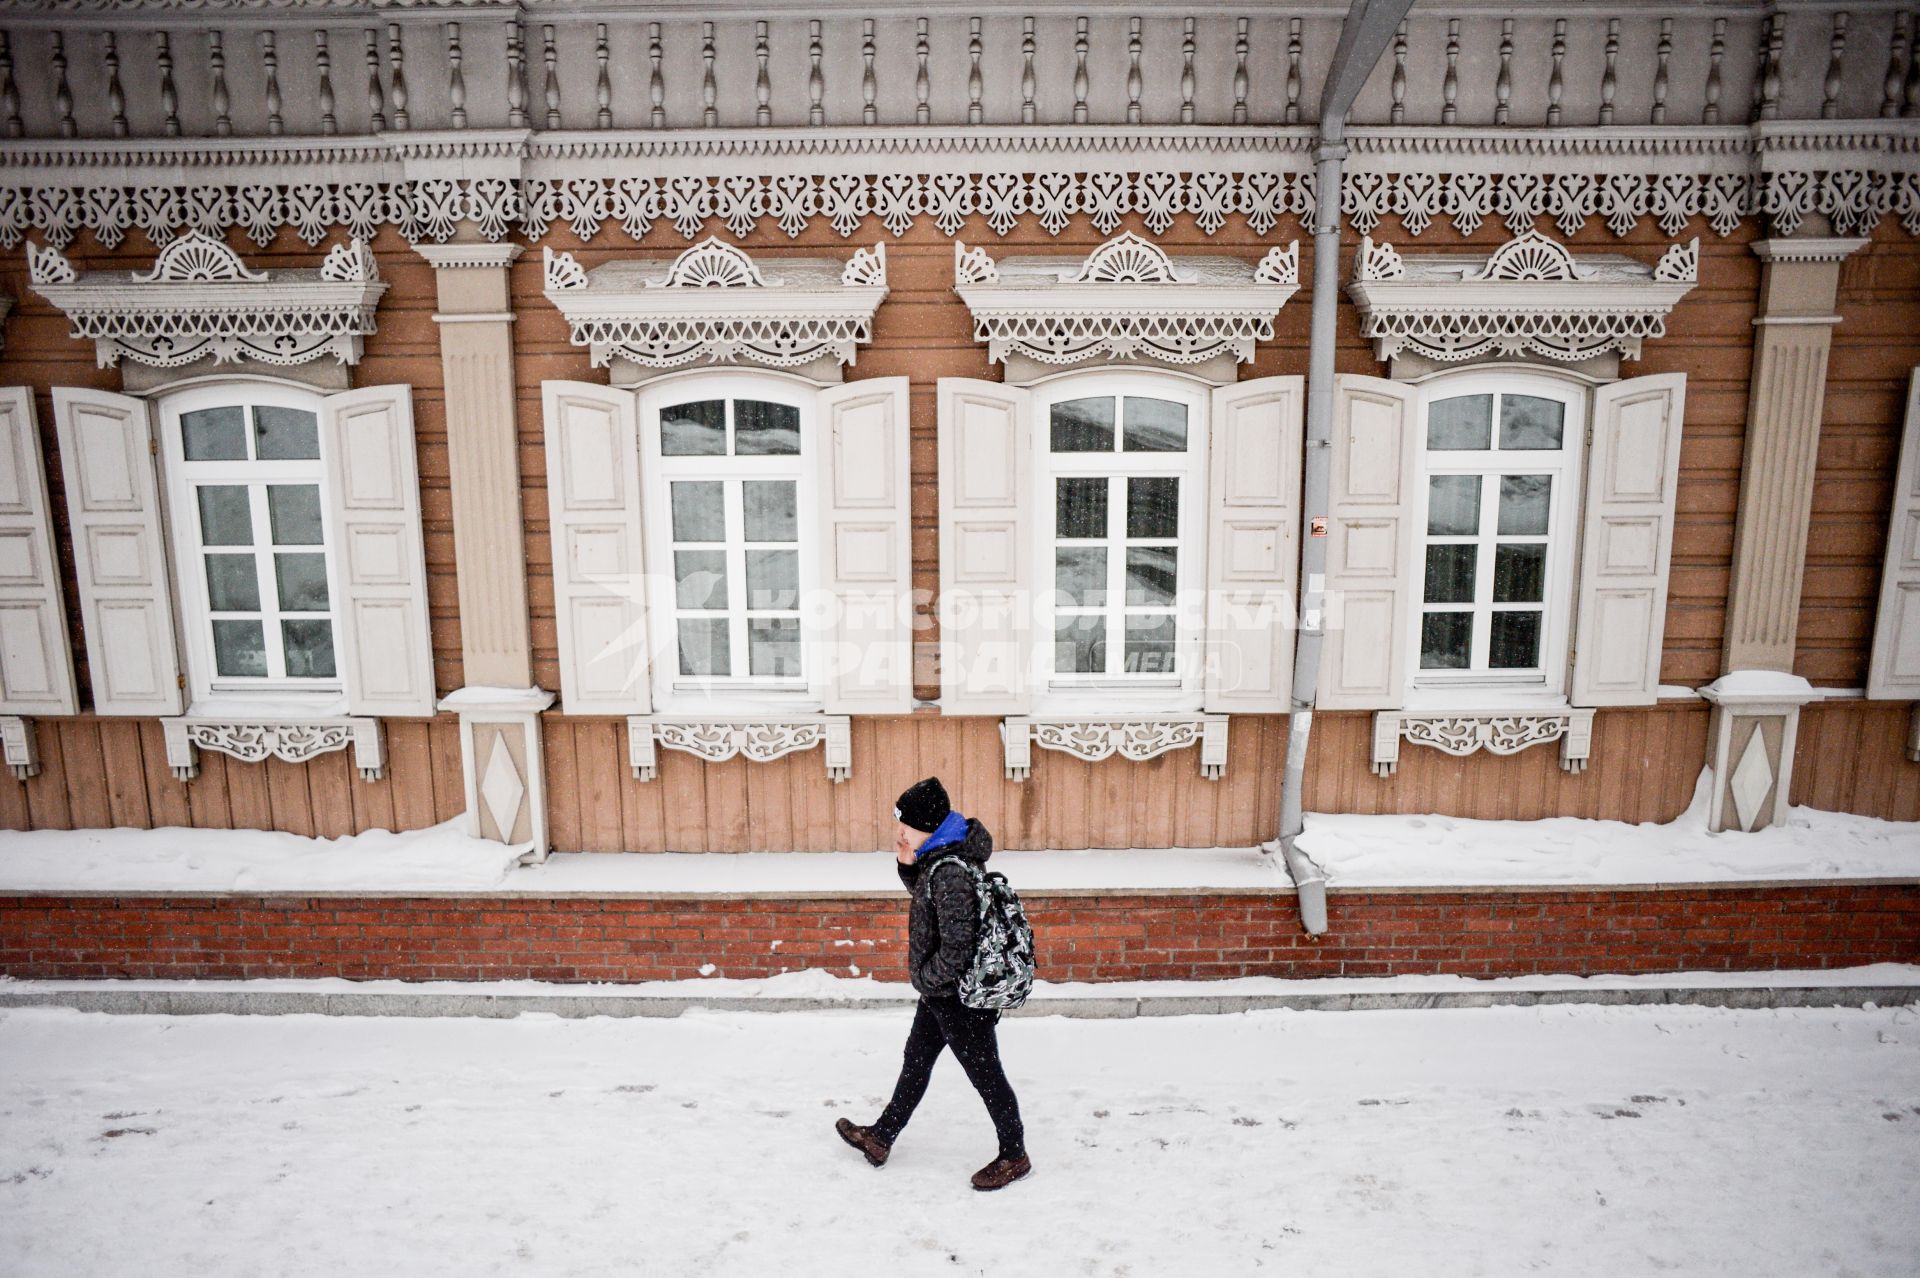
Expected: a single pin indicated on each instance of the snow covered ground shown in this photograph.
(1567, 1140)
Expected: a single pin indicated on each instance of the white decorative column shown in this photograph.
(1756, 716)
(506, 783)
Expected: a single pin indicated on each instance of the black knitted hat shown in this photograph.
(923, 805)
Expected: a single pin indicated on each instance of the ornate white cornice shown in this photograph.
(714, 303)
(200, 301)
(1810, 249)
(1126, 299)
(1530, 295)
(460, 256)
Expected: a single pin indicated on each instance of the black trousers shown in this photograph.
(970, 1032)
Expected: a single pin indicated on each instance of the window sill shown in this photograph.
(1096, 737)
(255, 734)
(757, 738)
(1506, 730)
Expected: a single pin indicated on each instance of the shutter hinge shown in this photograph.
(180, 681)
(153, 447)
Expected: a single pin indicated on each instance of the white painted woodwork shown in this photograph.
(36, 662)
(1370, 573)
(1895, 672)
(866, 547)
(1253, 552)
(987, 525)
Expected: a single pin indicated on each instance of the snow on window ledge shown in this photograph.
(1500, 731)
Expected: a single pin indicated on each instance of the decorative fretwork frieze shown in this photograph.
(1093, 738)
(252, 739)
(200, 301)
(19, 747)
(758, 739)
(1498, 732)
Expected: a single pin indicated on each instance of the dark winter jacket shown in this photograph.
(942, 919)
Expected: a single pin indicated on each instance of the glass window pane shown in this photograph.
(704, 646)
(699, 510)
(1149, 645)
(1151, 573)
(1462, 423)
(293, 510)
(1153, 507)
(773, 579)
(1080, 645)
(773, 647)
(233, 583)
(1080, 510)
(214, 434)
(225, 519)
(1083, 425)
(1453, 506)
(772, 508)
(302, 582)
(1519, 572)
(1524, 504)
(309, 648)
(1527, 421)
(761, 429)
(285, 434)
(694, 430)
(1080, 575)
(1514, 643)
(239, 649)
(1450, 573)
(1155, 426)
(1446, 640)
(700, 578)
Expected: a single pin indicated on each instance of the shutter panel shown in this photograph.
(599, 573)
(1370, 577)
(1633, 463)
(119, 552)
(373, 507)
(1253, 555)
(986, 540)
(866, 547)
(1895, 672)
(36, 662)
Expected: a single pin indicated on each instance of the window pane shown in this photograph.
(1519, 572)
(1450, 574)
(1527, 421)
(1151, 575)
(309, 647)
(772, 508)
(1446, 640)
(1083, 425)
(700, 578)
(699, 510)
(1149, 645)
(703, 646)
(294, 512)
(1514, 643)
(1081, 508)
(302, 582)
(773, 647)
(224, 517)
(761, 429)
(214, 434)
(1524, 504)
(286, 434)
(1080, 645)
(239, 649)
(694, 430)
(1080, 575)
(233, 584)
(1155, 426)
(1462, 423)
(1153, 507)
(1453, 506)
(773, 579)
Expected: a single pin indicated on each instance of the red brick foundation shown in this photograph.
(1080, 938)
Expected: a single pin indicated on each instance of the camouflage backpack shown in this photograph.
(1001, 974)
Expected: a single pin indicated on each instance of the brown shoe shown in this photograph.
(863, 1139)
(1001, 1172)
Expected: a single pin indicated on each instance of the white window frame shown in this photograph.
(738, 693)
(209, 691)
(1055, 693)
(1450, 689)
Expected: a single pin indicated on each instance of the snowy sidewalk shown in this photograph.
(1573, 1141)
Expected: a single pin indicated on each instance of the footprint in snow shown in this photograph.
(113, 1132)
(1618, 1113)
(635, 1087)
(1244, 1121)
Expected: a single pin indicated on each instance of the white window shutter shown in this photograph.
(1633, 465)
(373, 505)
(1894, 674)
(866, 552)
(987, 526)
(1371, 575)
(36, 663)
(119, 551)
(1253, 551)
(599, 572)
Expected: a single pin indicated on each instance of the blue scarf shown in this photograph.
(949, 832)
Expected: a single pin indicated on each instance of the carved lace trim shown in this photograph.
(1497, 732)
(756, 740)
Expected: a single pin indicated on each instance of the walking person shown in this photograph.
(941, 931)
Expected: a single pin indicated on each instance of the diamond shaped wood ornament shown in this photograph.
(502, 790)
(1751, 781)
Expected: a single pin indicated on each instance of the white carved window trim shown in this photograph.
(1496, 731)
(252, 738)
(758, 739)
(1137, 737)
